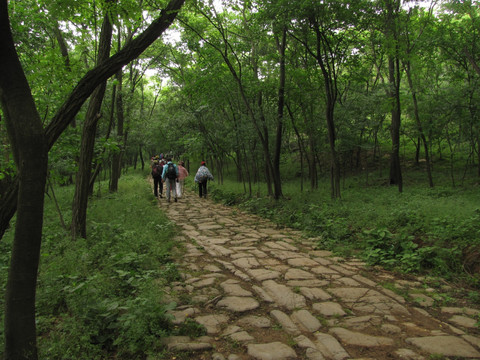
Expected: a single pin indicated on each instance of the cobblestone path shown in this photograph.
(266, 293)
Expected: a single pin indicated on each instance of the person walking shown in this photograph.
(157, 171)
(182, 174)
(169, 176)
(201, 177)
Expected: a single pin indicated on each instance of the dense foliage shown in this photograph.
(104, 295)
(280, 99)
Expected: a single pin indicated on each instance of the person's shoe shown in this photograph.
(175, 199)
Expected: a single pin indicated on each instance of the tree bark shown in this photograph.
(331, 99)
(87, 147)
(24, 128)
(394, 93)
(118, 156)
(419, 125)
(277, 181)
(67, 112)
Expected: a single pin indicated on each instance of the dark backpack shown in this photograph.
(157, 170)
(171, 173)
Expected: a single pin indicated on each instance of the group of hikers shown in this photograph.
(165, 171)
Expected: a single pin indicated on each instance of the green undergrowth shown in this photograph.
(101, 297)
(419, 231)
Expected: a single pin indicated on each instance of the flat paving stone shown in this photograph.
(460, 311)
(298, 274)
(218, 241)
(212, 268)
(329, 308)
(302, 261)
(285, 254)
(304, 342)
(263, 274)
(360, 339)
(242, 337)
(315, 293)
(368, 301)
(312, 283)
(286, 322)
(255, 321)
(305, 320)
(271, 351)
(212, 226)
(181, 315)
(330, 347)
(422, 299)
(408, 354)
(238, 303)
(246, 263)
(463, 321)
(445, 345)
(204, 282)
(212, 323)
(263, 294)
(275, 245)
(235, 289)
(361, 322)
(283, 296)
(323, 270)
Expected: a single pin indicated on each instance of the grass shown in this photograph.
(101, 297)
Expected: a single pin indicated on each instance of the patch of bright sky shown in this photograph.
(172, 36)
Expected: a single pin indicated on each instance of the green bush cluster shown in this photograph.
(421, 230)
(101, 297)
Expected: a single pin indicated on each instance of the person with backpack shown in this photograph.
(157, 170)
(201, 177)
(170, 176)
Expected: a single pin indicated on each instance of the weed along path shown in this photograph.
(266, 293)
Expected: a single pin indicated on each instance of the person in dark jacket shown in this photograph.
(157, 170)
(201, 177)
(170, 179)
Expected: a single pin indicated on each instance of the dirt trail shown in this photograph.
(265, 293)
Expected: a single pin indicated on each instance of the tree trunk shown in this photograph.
(82, 186)
(394, 94)
(67, 112)
(117, 157)
(24, 128)
(419, 126)
(277, 181)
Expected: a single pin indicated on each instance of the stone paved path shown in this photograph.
(265, 293)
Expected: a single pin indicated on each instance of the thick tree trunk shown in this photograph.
(394, 93)
(84, 89)
(335, 166)
(277, 181)
(395, 166)
(26, 135)
(82, 188)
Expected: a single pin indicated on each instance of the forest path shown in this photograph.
(264, 293)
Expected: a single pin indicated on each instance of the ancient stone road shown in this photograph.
(265, 293)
